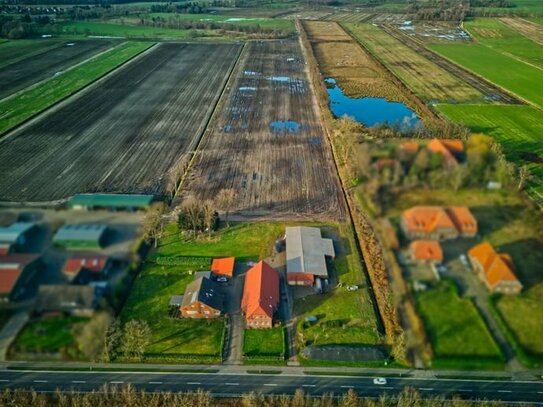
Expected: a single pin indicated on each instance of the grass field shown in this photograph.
(12, 51)
(119, 30)
(344, 317)
(517, 128)
(521, 7)
(426, 79)
(48, 335)
(458, 334)
(497, 35)
(523, 315)
(529, 29)
(17, 109)
(264, 343)
(149, 297)
(499, 66)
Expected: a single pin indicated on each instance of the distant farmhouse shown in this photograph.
(202, 299)
(306, 255)
(16, 271)
(14, 237)
(223, 267)
(112, 202)
(80, 236)
(496, 270)
(84, 268)
(452, 151)
(428, 251)
(438, 223)
(78, 300)
(260, 296)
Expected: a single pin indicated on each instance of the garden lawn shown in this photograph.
(91, 28)
(344, 317)
(17, 109)
(48, 335)
(14, 50)
(264, 343)
(516, 128)
(457, 332)
(519, 77)
(523, 314)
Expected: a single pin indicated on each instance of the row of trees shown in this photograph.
(23, 26)
(439, 10)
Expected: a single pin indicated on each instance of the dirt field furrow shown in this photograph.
(124, 134)
(28, 71)
(531, 30)
(268, 143)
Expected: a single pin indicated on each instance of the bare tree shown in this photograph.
(209, 216)
(523, 177)
(193, 212)
(153, 226)
(91, 338)
(225, 201)
(136, 337)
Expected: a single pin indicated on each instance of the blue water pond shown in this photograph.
(370, 111)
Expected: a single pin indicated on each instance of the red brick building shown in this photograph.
(202, 299)
(260, 296)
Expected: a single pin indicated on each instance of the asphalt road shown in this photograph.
(236, 384)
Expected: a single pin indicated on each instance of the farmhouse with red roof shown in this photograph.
(223, 267)
(85, 267)
(426, 251)
(450, 150)
(16, 270)
(260, 296)
(438, 223)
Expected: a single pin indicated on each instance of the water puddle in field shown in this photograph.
(370, 111)
(285, 126)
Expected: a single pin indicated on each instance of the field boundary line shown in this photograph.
(68, 69)
(32, 54)
(194, 147)
(72, 97)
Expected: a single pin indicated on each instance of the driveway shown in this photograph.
(11, 330)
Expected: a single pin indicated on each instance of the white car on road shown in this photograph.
(380, 380)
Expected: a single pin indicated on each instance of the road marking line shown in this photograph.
(4, 380)
(505, 391)
(388, 388)
(466, 390)
(194, 383)
(347, 387)
(119, 382)
(155, 382)
(79, 381)
(426, 388)
(540, 392)
(232, 384)
(40, 381)
(309, 385)
(270, 384)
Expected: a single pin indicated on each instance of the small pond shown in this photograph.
(370, 111)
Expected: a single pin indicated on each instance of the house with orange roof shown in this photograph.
(410, 147)
(426, 251)
(450, 150)
(496, 270)
(223, 267)
(16, 271)
(260, 296)
(438, 223)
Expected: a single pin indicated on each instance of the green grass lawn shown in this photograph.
(14, 50)
(499, 36)
(345, 317)
(495, 65)
(264, 343)
(21, 107)
(522, 7)
(523, 314)
(119, 30)
(517, 128)
(49, 335)
(458, 334)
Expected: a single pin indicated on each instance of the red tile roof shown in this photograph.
(261, 291)
(426, 250)
(410, 146)
(427, 219)
(463, 219)
(496, 267)
(224, 267)
(11, 267)
(94, 263)
(447, 148)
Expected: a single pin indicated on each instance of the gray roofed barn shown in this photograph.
(80, 235)
(306, 251)
(15, 232)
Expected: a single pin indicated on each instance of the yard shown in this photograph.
(264, 344)
(344, 317)
(187, 339)
(50, 337)
(458, 334)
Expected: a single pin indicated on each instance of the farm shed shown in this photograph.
(67, 299)
(202, 299)
(260, 296)
(15, 272)
(14, 236)
(223, 267)
(306, 255)
(83, 268)
(114, 202)
(80, 236)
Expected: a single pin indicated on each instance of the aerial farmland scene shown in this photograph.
(271, 203)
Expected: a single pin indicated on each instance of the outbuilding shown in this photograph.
(16, 271)
(112, 202)
(14, 236)
(80, 236)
